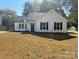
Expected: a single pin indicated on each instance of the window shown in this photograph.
(21, 26)
(58, 26)
(43, 25)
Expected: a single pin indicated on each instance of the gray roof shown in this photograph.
(31, 17)
(36, 16)
(20, 19)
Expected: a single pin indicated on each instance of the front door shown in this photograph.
(32, 27)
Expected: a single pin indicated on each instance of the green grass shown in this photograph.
(17, 45)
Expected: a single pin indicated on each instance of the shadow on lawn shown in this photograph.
(56, 36)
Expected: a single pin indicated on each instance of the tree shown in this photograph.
(58, 6)
(73, 16)
(72, 7)
(9, 18)
(44, 6)
(27, 8)
(74, 13)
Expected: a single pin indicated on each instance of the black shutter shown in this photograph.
(47, 26)
(61, 26)
(55, 26)
(40, 25)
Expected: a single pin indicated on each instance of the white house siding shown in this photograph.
(17, 26)
(28, 27)
(51, 21)
(51, 18)
(37, 26)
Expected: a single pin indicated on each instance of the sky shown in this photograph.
(16, 5)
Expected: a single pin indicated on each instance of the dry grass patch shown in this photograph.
(16, 45)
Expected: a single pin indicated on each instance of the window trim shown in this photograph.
(21, 26)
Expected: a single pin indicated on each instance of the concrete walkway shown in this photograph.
(67, 31)
(72, 31)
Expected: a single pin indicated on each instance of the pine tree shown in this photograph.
(27, 8)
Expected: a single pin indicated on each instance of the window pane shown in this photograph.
(44, 27)
(22, 26)
(57, 26)
(43, 24)
(19, 26)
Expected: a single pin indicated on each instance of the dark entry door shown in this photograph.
(32, 27)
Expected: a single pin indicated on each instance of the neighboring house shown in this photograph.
(0, 21)
(42, 22)
(2, 27)
(1, 18)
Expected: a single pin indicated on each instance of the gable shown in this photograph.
(35, 16)
(51, 15)
(56, 15)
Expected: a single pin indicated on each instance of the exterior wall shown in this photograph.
(50, 18)
(51, 25)
(27, 29)
(28, 26)
(17, 26)
(37, 26)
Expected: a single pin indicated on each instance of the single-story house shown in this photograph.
(50, 21)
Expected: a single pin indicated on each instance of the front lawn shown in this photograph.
(17, 45)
